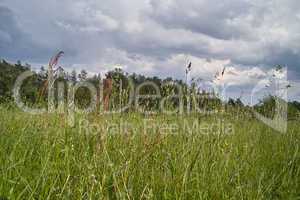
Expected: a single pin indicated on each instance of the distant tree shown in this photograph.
(18, 64)
(3, 91)
(231, 102)
(43, 73)
(266, 106)
(121, 89)
(239, 102)
(27, 66)
(293, 110)
(296, 104)
(95, 80)
(60, 73)
(73, 76)
(83, 75)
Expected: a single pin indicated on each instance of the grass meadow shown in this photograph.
(43, 158)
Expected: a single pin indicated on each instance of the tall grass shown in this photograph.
(42, 158)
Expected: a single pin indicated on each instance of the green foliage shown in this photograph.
(294, 110)
(8, 76)
(267, 105)
(83, 75)
(42, 158)
(34, 90)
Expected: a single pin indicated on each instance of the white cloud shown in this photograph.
(157, 37)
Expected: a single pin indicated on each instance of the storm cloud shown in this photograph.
(155, 37)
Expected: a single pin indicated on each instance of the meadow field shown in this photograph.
(43, 158)
(149, 100)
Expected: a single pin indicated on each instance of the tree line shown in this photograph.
(34, 92)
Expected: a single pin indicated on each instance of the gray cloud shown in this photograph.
(214, 18)
(15, 44)
(152, 36)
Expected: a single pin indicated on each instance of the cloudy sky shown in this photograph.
(158, 37)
